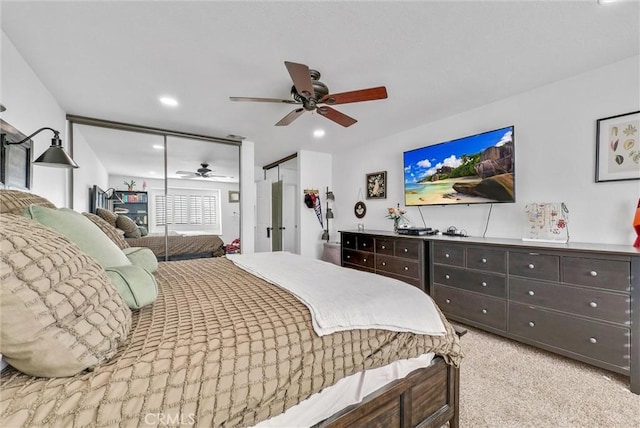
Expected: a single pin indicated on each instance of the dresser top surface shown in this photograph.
(627, 250)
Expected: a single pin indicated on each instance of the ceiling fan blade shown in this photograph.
(301, 78)
(264, 100)
(336, 116)
(370, 94)
(290, 117)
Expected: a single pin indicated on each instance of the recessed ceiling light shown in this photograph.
(158, 146)
(169, 101)
(318, 133)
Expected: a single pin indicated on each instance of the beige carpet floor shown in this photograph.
(504, 383)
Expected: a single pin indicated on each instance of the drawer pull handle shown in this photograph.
(348, 242)
(348, 257)
(484, 260)
(484, 284)
(531, 293)
(364, 260)
(383, 247)
(448, 300)
(531, 266)
(384, 263)
(532, 324)
(593, 340)
(447, 276)
(593, 273)
(364, 244)
(593, 304)
(406, 268)
(406, 250)
(446, 256)
(484, 311)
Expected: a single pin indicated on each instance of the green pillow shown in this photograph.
(81, 231)
(143, 231)
(143, 257)
(136, 285)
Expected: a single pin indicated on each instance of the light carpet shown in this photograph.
(504, 384)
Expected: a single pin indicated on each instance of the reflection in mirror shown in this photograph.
(183, 212)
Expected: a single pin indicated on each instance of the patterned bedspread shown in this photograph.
(219, 347)
(181, 246)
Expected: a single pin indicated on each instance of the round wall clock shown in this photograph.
(360, 209)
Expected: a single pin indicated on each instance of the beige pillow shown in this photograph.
(15, 201)
(108, 230)
(108, 216)
(60, 313)
(129, 226)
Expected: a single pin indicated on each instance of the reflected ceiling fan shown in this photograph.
(312, 94)
(202, 172)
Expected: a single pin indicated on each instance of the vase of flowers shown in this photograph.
(130, 184)
(396, 214)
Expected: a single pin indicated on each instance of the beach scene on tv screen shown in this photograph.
(474, 169)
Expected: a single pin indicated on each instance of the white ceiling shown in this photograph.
(113, 60)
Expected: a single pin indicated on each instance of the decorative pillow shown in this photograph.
(143, 257)
(60, 313)
(15, 201)
(108, 216)
(111, 232)
(136, 285)
(129, 226)
(143, 231)
(82, 232)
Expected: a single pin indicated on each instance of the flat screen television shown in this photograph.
(476, 169)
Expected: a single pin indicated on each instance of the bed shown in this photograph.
(222, 347)
(174, 246)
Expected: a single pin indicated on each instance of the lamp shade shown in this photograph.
(56, 156)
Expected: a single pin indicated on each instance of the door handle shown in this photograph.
(282, 228)
(269, 229)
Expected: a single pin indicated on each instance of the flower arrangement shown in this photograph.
(396, 214)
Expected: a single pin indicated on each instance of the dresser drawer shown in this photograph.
(408, 249)
(591, 339)
(611, 274)
(589, 303)
(534, 265)
(348, 240)
(412, 281)
(365, 243)
(448, 254)
(481, 309)
(360, 258)
(384, 246)
(480, 282)
(396, 265)
(485, 259)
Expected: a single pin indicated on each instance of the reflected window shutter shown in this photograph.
(160, 206)
(195, 209)
(180, 209)
(210, 209)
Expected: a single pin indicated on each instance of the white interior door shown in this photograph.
(263, 216)
(290, 232)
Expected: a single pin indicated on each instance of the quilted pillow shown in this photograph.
(108, 216)
(108, 230)
(15, 201)
(60, 313)
(82, 232)
(130, 228)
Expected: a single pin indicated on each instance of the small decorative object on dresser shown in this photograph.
(377, 185)
(397, 215)
(618, 147)
(636, 225)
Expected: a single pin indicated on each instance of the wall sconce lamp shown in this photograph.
(55, 155)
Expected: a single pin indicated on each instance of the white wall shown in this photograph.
(555, 129)
(314, 172)
(30, 106)
(90, 173)
(247, 198)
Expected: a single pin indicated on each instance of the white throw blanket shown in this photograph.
(346, 299)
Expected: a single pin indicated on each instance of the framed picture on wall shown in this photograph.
(618, 147)
(15, 159)
(234, 196)
(377, 185)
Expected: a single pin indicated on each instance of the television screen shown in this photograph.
(471, 170)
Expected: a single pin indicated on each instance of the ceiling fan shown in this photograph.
(312, 94)
(202, 172)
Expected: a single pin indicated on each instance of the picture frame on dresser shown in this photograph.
(618, 147)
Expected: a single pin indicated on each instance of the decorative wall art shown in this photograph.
(15, 159)
(377, 185)
(618, 148)
(234, 196)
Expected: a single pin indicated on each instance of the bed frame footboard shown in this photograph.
(426, 397)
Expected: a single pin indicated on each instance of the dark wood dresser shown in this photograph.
(578, 300)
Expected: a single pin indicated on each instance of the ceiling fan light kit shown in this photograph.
(310, 92)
